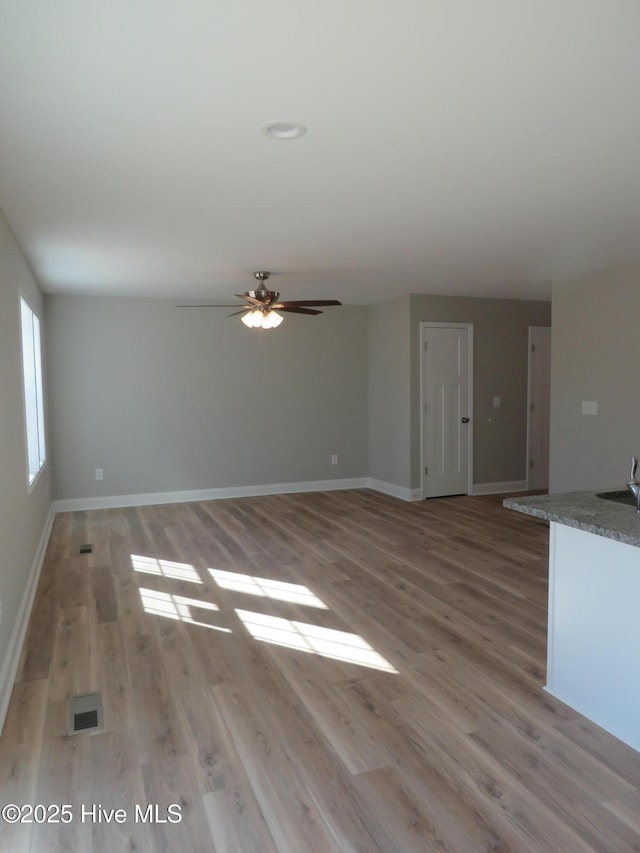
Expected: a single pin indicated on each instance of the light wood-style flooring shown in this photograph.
(320, 672)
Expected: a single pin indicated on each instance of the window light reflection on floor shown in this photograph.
(176, 607)
(294, 593)
(327, 642)
(165, 568)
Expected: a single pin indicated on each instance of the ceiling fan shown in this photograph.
(263, 309)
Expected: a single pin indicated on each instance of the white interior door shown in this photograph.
(447, 407)
(539, 405)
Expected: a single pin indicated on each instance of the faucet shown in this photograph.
(633, 485)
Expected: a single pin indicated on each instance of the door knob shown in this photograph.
(465, 420)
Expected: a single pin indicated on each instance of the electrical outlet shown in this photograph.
(99, 473)
(334, 458)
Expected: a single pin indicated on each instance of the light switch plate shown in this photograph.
(589, 407)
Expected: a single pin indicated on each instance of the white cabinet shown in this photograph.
(593, 654)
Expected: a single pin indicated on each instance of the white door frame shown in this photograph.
(527, 463)
(423, 452)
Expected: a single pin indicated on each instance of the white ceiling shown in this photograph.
(477, 148)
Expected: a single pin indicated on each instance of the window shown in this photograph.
(33, 398)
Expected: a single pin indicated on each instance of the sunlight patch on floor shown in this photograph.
(165, 568)
(176, 607)
(294, 593)
(327, 642)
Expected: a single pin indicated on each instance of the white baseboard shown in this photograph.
(395, 491)
(152, 498)
(12, 659)
(498, 488)
(416, 494)
(116, 501)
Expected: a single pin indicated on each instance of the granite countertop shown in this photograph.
(584, 511)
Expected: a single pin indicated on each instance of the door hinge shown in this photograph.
(530, 407)
(425, 346)
(531, 463)
(426, 470)
(533, 347)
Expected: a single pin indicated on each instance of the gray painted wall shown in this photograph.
(594, 356)
(389, 404)
(22, 515)
(500, 338)
(168, 399)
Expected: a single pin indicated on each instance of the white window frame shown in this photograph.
(32, 391)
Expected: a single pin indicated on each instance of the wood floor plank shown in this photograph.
(459, 814)
(37, 652)
(520, 812)
(116, 782)
(564, 793)
(215, 759)
(110, 674)
(173, 813)
(154, 707)
(359, 748)
(607, 749)
(63, 778)
(131, 616)
(20, 751)
(103, 593)
(627, 809)
(399, 819)
(308, 672)
(236, 822)
(296, 820)
(70, 666)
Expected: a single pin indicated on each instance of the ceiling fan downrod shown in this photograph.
(262, 276)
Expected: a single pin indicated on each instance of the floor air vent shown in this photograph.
(86, 549)
(85, 714)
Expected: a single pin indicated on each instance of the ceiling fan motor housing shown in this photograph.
(266, 296)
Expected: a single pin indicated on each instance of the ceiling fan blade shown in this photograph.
(294, 302)
(208, 305)
(250, 299)
(294, 310)
(241, 311)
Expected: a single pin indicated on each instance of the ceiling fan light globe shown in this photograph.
(253, 319)
(272, 320)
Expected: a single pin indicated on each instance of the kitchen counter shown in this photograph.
(593, 662)
(584, 511)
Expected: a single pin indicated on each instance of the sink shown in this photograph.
(621, 497)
